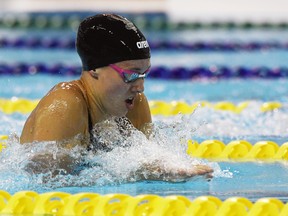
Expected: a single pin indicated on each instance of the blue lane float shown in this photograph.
(160, 72)
(69, 43)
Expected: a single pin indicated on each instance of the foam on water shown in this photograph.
(131, 158)
(251, 123)
(165, 147)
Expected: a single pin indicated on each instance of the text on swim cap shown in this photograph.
(142, 44)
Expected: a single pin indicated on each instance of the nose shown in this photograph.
(138, 85)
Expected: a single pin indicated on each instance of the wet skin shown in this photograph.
(63, 112)
(101, 93)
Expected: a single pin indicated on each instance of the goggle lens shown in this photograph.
(129, 75)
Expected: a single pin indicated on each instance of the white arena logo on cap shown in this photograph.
(142, 44)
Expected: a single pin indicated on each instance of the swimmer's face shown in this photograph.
(118, 96)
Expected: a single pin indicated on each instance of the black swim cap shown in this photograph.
(107, 38)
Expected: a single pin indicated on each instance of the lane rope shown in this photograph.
(147, 21)
(69, 44)
(159, 72)
(83, 204)
(236, 150)
(157, 107)
(209, 149)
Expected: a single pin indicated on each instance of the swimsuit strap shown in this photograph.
(90, 125)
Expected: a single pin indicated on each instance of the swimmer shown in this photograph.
(115, 59)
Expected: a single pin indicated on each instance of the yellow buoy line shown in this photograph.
(216, 150)
(15, 104)
(92, 204)
(157, 107)
(238, 150)
(176, 107)
(62, 204)
(209, 149)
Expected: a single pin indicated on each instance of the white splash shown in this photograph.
(124, 163)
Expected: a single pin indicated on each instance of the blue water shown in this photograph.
(234, 90)
(240, 35)
(252, 180)
(249, 180)
(269, 59)
(231, 179)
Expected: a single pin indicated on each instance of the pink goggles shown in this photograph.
(129, 75)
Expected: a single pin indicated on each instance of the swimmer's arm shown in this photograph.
(140, 115)
(51, 165)
(156, 171)
(60, 115)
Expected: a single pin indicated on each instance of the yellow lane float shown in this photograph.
(92, 204)
(157, 107)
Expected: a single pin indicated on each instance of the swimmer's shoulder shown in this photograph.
(72, 88)
(65, 100)
(71, 93)
(61, 114)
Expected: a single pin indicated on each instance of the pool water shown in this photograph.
(249, 179)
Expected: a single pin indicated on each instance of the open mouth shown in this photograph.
(129, 100)
(130, 103)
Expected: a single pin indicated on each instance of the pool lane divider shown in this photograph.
(68, 43)
(238, 150)
(145, 21)
(84, 204)
(165, 108)
(156, 72)
(216, 150)
(3, 141)
(157, 107)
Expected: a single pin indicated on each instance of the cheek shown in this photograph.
(117, 90)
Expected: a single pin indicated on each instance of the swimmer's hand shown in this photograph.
(50, 165)
(154, 171)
